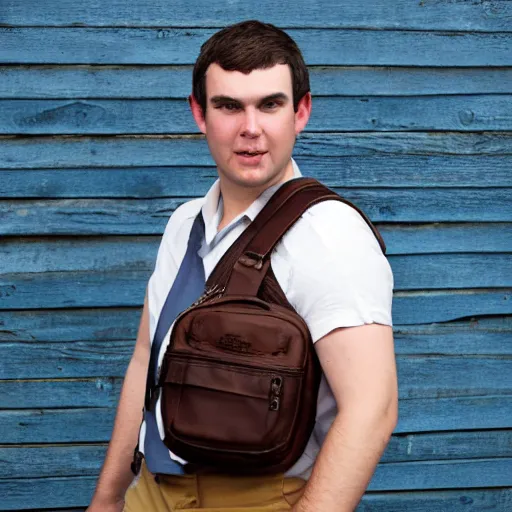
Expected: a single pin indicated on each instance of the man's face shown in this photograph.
(250, 124)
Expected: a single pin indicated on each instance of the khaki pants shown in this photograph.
(212, 493)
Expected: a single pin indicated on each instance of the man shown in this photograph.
(251, 98)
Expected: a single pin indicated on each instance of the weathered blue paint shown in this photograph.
(42, 461)
(66, 152)
(393, 171)
(86, 363)
(493, 15)
(413, 123)
(149, 216)
(332, 114)
(411, 272)
(69, 491)
(76, 45)
(159, 82)
(94, 424)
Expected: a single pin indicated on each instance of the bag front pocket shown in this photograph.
(227, 406)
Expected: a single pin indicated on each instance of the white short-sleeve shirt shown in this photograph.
(329, 265)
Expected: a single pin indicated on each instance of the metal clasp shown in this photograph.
(251, 261)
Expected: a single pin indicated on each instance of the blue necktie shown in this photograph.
(186, 289)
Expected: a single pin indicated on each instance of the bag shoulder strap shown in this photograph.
(243, 267)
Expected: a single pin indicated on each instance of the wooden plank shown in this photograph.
(77, 45)
(437, 271)
(96, 359)
(419, 377)
(149, 216)
(119, 289)
(489, 16)
(443, 238)
(43, 461)
(161, 82)
(51, 461)
(483, 336)
(463, 500)
(408, 248)
(388, 476)
(148, 151)
(99, 392)
(442, 475)
(454, 376)
(46, 425)
(460, 413)
(351, 171)
(424, 307)
(97, 325)
(449, 446)
(55, 492)
(86, 425)
(42, 493)
(112, 255)
(58, 360)
(400, 239)
(332, 114)
(34, 256)
(411, 272)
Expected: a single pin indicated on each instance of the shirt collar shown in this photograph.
(212, 208)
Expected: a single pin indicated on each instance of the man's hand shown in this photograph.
(97, 506)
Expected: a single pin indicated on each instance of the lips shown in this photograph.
(250, 158)
(249, 152)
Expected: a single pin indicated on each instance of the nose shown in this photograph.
(250, 124)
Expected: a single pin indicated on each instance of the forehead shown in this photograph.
(258, 83)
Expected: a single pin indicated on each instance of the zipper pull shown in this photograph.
(276, 386)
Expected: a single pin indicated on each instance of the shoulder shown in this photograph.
(331, 228)
(333, 270)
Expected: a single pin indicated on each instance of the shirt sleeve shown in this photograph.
(338, 275)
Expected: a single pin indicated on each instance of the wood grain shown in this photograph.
(43, 461)
(164, 82)
(400, 171)
(331, 114)
(419, 376)
(172, 46)
(147, 151)
(150, 216)
(102, 327)
(489, 16)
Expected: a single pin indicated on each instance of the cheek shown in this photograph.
(282, 130)
(223, 130)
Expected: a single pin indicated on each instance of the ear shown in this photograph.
(198, 114)
(303, 113)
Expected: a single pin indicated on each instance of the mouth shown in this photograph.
(250, 153)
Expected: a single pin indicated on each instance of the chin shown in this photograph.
(253, 178)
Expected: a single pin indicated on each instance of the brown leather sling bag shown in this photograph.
(239, 380)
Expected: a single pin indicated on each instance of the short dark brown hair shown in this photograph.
(247, 46)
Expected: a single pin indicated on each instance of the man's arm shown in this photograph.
(116, 474)
(359, 364)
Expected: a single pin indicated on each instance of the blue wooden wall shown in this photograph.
(412, 121)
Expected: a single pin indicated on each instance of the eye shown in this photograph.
(230, 107)
(271, 105)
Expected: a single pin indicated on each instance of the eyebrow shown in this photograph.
(219, 100)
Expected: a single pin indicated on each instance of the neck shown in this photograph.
(236, 198)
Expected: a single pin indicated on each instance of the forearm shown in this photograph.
(345, 464)
(116, 474)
